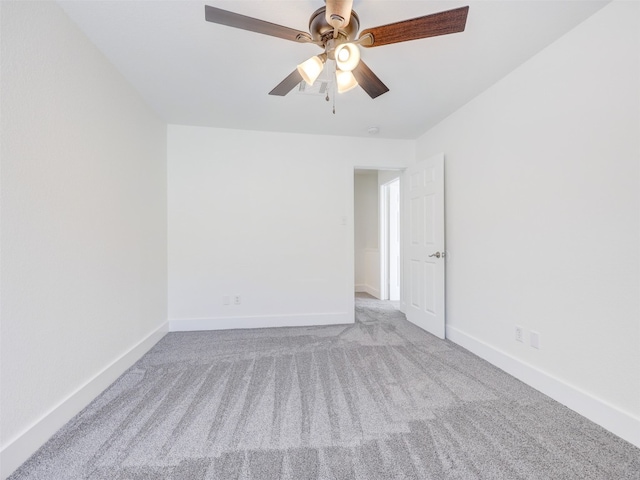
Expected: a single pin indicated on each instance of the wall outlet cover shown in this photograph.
(519, 333)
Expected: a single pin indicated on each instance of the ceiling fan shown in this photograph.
(334, 28)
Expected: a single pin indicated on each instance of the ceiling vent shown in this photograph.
(318, 88)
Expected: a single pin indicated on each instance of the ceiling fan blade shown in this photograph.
(231, 19)
(443, 23)
(368, 80)
(288, 84)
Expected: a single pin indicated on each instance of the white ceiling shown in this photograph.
(193, 72)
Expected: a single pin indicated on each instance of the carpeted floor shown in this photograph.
(380, 399)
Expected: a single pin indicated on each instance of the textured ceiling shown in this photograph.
(193, 72)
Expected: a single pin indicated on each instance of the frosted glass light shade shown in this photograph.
(346, 81)
(347, 56)
(311, 69)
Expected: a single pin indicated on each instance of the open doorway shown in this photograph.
(377, 233)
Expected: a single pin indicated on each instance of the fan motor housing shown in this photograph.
(321, 31)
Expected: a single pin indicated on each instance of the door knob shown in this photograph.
(437, 255)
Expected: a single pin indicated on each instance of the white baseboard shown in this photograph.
(20, 448)
(374, 292)
(259, 321)
(618, 422)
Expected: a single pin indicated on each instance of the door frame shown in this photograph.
(385, 227)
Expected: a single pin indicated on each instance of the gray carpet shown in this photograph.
(380, 399)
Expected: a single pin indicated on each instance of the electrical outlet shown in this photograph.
(534, 340)
(236, 299)
(519, 334)
(226, 300)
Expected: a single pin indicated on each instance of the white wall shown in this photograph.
(269, 217)
(83, 225)
(366, 233)
(543, 209)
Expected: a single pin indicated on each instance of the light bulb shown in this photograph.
(347, 56)
(343, 55)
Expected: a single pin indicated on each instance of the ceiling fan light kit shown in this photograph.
(334, 28)
(311, 69)
(345, 81)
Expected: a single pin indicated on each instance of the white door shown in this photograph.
(424, 248)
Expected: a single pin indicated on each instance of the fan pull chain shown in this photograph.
(335, 87)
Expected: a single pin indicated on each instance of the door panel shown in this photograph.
(429, 220)
(417, 228)
(416, 284)
(430, 275)
(424, 204)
